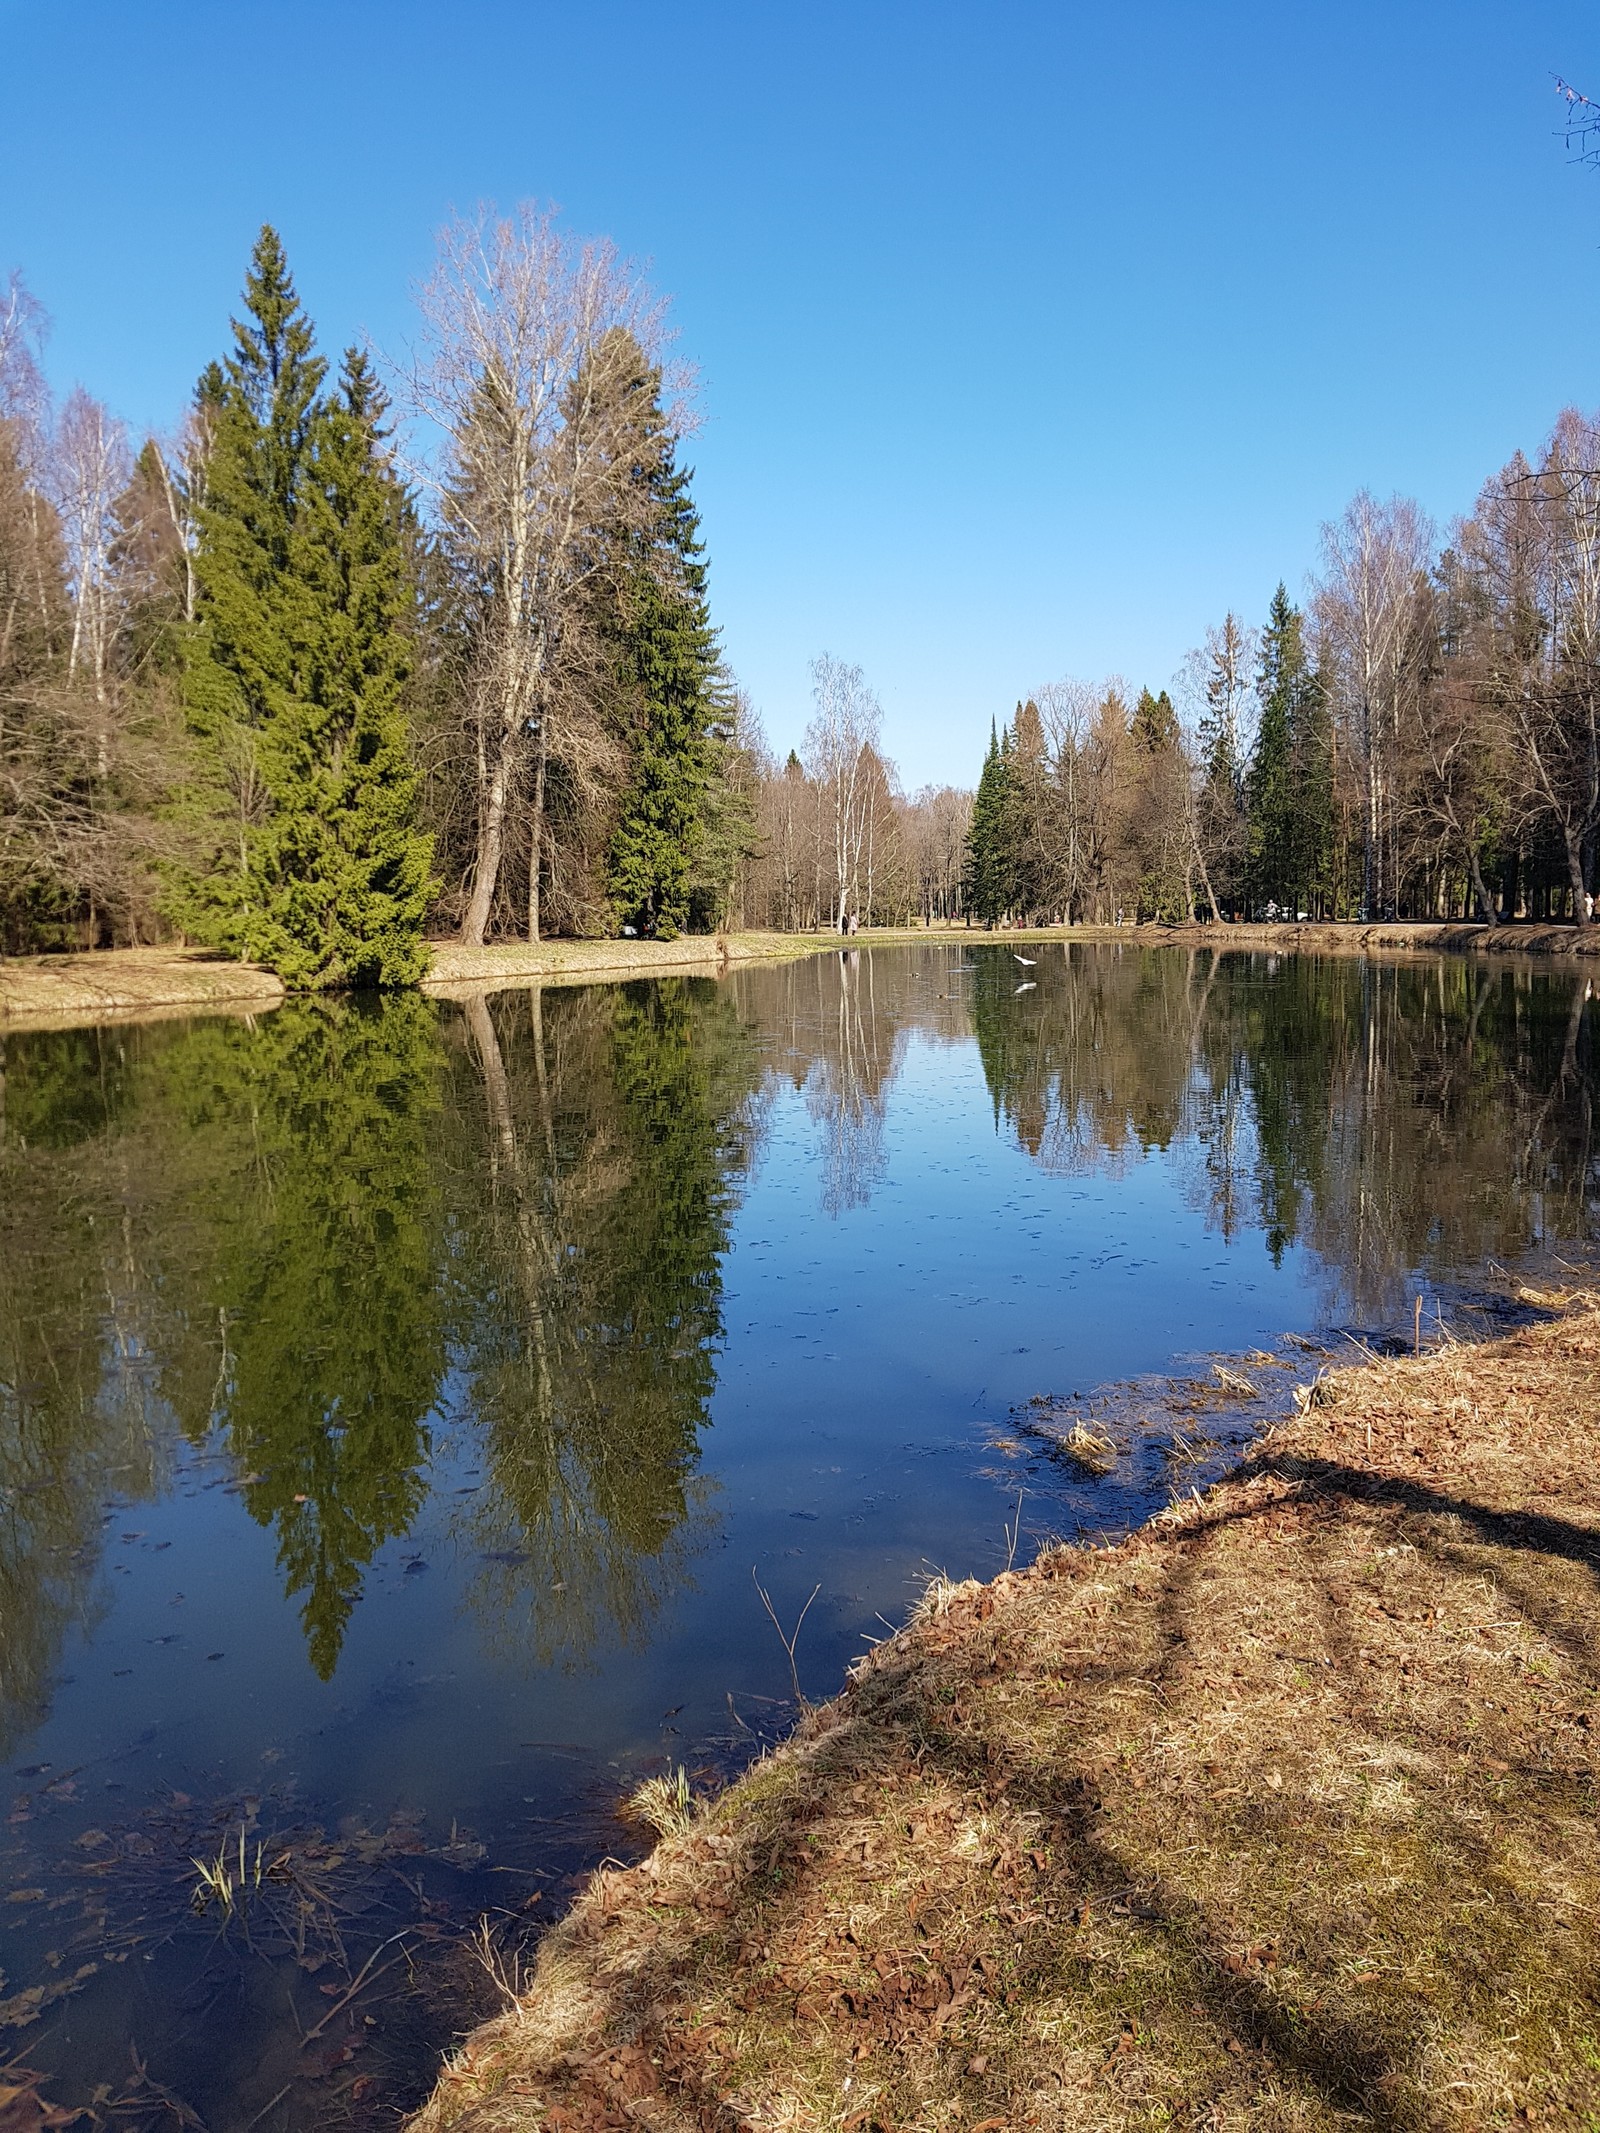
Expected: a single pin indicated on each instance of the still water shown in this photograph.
(399, 1400)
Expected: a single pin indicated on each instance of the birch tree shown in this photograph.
(842, 743)
(1373, 559)
(90, 468)
(1556, 713)
(523, 327)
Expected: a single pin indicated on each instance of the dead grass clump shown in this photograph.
(663, 1804)
(1278, 1816)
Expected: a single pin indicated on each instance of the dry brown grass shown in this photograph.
(118, 984)
(1280, 1815)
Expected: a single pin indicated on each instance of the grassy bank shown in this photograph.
(453, 970)
(1279, 1815)
(63, 991)
(113, 985)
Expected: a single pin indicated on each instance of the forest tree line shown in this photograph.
(273, 686)
(270, 686)
(1421, 741)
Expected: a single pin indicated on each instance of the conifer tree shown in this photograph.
(1289, 786)
(1159, 834)
(1155, 723)
(988, 886)
(295, 664)
(666, 655)
(1029, 827)
(344, 866)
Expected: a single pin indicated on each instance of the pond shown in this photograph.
(406, 1405)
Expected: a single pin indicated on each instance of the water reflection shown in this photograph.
(328, 1235)
(464, 1286)
(1390, 1116)
(597, 1163)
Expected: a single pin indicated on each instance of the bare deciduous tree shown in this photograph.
(1374, 559)
(89, 468)
(526, 333)
(841, 744)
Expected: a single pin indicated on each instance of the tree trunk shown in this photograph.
(491, 848)
(1580, 900)
(1205, 878)
(1480, 889)
(536, 837)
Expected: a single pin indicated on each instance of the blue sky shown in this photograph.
(1030, 337)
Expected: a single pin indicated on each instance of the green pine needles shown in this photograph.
(990, 880)
(667, 662)
(303, 809)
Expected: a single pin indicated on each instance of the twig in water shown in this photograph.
(1013, 1532)
(504, 1973)
(266, 2107)
(360, 1979)
(1416, 1335)
(788, 1643)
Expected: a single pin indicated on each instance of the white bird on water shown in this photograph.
(1027, 961)
(1027, 985)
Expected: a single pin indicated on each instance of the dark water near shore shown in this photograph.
(395, 1399)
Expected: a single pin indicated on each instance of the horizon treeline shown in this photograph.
(1421, 741)
(267, 686)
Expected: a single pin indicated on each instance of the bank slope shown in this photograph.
(1279, 1815)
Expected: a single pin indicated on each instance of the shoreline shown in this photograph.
(1277, 1813)
(126, 984)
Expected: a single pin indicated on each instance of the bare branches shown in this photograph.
(789, 1639)
(842, 747)
(1581, 124)
(1375, 561)
(24, 396)
(535, 352)
(90, 466)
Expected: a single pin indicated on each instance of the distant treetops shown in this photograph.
(1091, 809)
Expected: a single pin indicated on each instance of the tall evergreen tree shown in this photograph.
(1289, 789)
(1158, 828)
(988, 887)
(344, 868)
(1030, 828)
(296, 664)
(667, 661)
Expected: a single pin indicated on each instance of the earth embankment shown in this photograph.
(120, 984)
(1278, 1815)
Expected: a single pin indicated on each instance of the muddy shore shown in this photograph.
(1278, 1815)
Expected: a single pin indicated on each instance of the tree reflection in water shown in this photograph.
(337, 1234)
(1393, 1117)
(601, 1164)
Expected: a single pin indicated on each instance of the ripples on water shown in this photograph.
(395, 1398)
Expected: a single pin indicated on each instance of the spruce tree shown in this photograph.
(666, 658)
(296, 665)
(1155, 723)
(989, 871)
(1029, 840)
(1159, 836)
(1289, 791)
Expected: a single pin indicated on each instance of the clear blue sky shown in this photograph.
(1031, 337)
